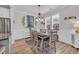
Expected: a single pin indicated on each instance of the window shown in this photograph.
(5, 25)
(30, 21)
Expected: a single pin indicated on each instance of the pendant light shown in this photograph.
(39, 17)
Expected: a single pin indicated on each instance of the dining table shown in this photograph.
(46, 40)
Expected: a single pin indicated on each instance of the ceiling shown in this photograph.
(34, 9)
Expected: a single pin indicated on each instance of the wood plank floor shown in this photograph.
(22, 47)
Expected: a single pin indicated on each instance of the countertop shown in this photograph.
(3, 36)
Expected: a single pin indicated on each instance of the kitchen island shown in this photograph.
(4, 41)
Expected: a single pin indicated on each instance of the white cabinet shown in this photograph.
(5, 42)
(67, 36)
(76, 40)
(2, 49)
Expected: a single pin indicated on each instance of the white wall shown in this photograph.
(70, 11)
(4, 12)
(19, 31)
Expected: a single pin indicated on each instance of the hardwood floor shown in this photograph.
(22, 47)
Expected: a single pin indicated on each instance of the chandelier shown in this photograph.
(39, 17)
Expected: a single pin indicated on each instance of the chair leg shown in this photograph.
(55, 47)
(52, 49)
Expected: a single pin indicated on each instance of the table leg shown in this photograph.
(41, 45)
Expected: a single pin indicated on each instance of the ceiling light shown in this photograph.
(39, 17)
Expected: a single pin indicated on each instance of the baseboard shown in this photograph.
(23, 39)
(27, 37)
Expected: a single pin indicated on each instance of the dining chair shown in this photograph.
(53, 39)
(43, 31)
(36, 42)
(50, 45)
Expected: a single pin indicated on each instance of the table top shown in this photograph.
(43, 36)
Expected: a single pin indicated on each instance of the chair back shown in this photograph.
(34, 35)
(43, 31)
(54, 35)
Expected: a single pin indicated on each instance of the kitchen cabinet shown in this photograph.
(5, 42)
(5, 31)
(76, 40)
(65, 36)
(69, 37)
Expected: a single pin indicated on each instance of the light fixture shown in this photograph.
(70, 17)
(39, 17)
(76, 27)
